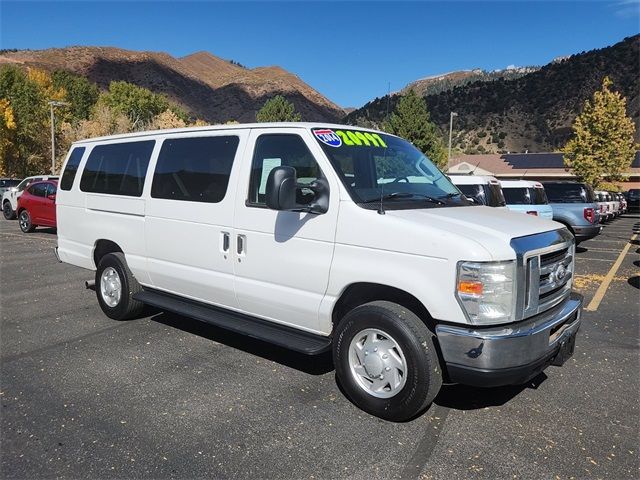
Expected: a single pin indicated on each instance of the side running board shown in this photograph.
(274, 333)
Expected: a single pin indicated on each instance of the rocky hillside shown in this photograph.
(208, 87)
(532, 112)
(441, 83)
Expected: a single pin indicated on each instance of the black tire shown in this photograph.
(126, 308)
(423, 372)
(24, 219)
(7, 211)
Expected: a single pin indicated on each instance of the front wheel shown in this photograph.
(115, 287)
(24, 219)
(7, 211)
(386, 362)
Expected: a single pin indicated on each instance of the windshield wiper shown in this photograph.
(400, 195)
(450, 195)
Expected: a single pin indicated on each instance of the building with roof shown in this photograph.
(529, 166)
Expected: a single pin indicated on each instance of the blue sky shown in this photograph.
(347, 51)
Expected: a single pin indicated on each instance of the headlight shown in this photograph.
(486, 291)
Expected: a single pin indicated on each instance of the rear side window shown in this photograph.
(117, 168)
(472, 191)
(72, 168)
(194, 169)
(517, 196)
(38, 190)
(569, 193)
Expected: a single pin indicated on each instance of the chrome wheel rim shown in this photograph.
(24, 221)
(110, 287)
(377, 363)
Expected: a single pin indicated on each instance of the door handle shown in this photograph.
(226, 241)
(241, 246)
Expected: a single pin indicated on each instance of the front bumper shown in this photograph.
(510, 354)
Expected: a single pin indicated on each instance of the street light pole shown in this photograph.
(54, 103)
(453, 114)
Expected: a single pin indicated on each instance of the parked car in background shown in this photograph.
(37, 206)
(7, 183)
(615, 202)
(605, 206)
(633, 200)
(574, 205)
(623, 203)
(527, 197)
(481, 189)
(10, 197)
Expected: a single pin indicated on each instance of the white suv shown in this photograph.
(10, 197)
(322, 237)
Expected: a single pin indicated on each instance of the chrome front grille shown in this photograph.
(545, 271)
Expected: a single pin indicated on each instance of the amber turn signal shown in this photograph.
(470, 288)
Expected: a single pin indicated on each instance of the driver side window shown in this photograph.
(275, 150)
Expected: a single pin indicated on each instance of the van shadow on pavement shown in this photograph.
(311, 364)
(466, 397)
(459, 397)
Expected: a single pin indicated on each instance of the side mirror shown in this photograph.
(474, 200)
(282, 186)
(52, 197)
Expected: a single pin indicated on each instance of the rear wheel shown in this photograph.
(7, 211)
(386, 361)
(115, 287)
(24, 219)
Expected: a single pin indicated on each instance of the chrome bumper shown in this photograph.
(513, 353)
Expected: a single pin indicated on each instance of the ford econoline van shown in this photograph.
(322, 237)
(481, 189)
(527, 197)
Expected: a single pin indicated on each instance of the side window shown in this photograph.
(275, 150)
(38, 190)
(72, 168)
(194, 169)
(117, 168)
(51, 189)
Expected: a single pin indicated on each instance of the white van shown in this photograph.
(481, 189)
(317, 237)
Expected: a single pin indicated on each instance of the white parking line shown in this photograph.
(608, 260)
(602, 289)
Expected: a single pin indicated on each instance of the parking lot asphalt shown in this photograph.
(83, 396)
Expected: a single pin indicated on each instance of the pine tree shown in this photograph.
(278, 109)
(603, 145)
(410, 120)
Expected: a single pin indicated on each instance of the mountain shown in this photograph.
(532, 112)
(441, 83)
(208, 87)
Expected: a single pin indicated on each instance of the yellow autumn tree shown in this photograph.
(7, 138)
(166, 119)
(603, 145)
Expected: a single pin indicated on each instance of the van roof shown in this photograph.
(232, 126)
(520, 183)
(472, 179)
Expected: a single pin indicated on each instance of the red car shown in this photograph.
(37, 206)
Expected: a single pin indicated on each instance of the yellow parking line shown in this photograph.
(602, 289)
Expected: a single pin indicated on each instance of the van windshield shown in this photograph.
(374, 166)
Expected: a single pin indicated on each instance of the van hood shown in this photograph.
(491, 228)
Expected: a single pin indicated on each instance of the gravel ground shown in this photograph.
(84, 396)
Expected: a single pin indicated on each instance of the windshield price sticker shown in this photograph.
(351, 138)
(358, 138)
